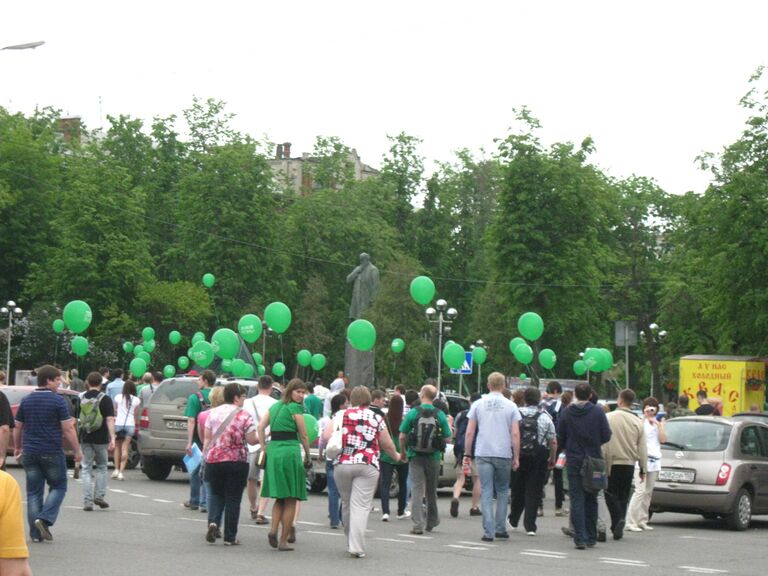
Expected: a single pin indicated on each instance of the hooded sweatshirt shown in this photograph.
(582, 429)
(336, 387)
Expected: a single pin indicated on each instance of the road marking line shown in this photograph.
(558, 556)
(545, 551)
(395, 540)
(161, 500)
(695, 538)
(74, 507)
(416, 536)
(475, 543)
(629, 564)
(138, 495)
(117, 490)
(700, 569)
(310, 523)
(466, 547)
(323, 533)
(135, 513)
(623, 560)
(193, 519)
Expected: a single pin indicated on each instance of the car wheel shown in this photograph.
(156, 469)
(741, 516)
(133, 455)
(394, 485)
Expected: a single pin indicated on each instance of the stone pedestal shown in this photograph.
(358, 366)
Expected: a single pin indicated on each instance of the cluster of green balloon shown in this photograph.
(278, 369)
(531, 326)
(278, 317)
(454, 355)
(361, 335)
(398, 345)
(79, 346)
(422, 290)
(250, 328)
(77, 316)
(479, 355)
(312, 426)
(209, 280)
(595, 360)
(240, 368)
(522, 351)
(547, 358)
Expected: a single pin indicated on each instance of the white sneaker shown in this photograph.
(114, 474)
(645, 526)
(404, 515)
(531, 533)
(120, 476)
(385, 517)
(632, 528)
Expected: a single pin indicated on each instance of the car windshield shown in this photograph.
(697, 436)
(173, 390)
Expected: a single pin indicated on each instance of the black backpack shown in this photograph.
(529, 435)
(425, 436)
(460, 424)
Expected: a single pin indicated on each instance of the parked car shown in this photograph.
(753, 416)
(163, 426)
(716, 467)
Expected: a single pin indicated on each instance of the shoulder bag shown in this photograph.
(336, 441)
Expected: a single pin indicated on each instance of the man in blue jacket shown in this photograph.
(582, 429)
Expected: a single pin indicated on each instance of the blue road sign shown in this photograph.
(466, 367)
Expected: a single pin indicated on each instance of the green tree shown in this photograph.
(330, 166)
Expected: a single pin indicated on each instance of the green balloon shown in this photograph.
(202, 354)
(513, 344)
(454, 355)
(77, 316)
(304, 357)
(248, 371)
(149, 346)
(144, 356)
(607, 359)
(58, 326)
(238, 367)
(250, 328)
(174, 337)
(169, 371)
(138, 367)
(278, 369)
(257, 358)
(278, 317)
(479, 355)
(547, 358)
(197, 337)
(127, 347)
(79, 346)
(138, 349)
(209, 280)
(593, 359)
(524, 354)
(531, 326)
(398, 345)
(317, 362)
(225, 343)
(313, 430)
(148, 333)
(422, 290)
(361, 335)
(183, 362)
(523, 376)
(579, 367)
(226, 366)
(261, 369)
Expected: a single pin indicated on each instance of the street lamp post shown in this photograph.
(443, 317)
(654, 337)
(11, 310)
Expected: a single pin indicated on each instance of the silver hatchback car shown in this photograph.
(716, 467)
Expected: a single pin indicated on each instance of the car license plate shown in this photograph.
(176, 424)
(685, 476)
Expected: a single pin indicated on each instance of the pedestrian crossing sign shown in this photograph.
(466, 368)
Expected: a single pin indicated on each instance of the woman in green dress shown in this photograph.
(284, 477)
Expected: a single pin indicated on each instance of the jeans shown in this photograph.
(198, 495)
(583, 508)
(357, 485)
(94, 454)
(227, 480)
(618, 492)
(387, 470)
(334, 500)
(39, 469)
(494, 477)
(424, 472)
(527, 484)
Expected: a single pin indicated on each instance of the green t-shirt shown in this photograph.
(313, 405)
(193, 404)
(410, 420)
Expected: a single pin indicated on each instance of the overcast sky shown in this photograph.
(655, 83)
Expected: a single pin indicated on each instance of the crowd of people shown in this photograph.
(508, 443)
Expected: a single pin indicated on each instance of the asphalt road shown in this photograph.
(147, 531)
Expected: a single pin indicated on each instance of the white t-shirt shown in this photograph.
(653, 444)
(257, 406)
(494, 415)
(125, 415)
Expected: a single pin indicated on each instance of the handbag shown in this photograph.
(336, 442)
(261, 459)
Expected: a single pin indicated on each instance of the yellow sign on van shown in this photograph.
(736, 381)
